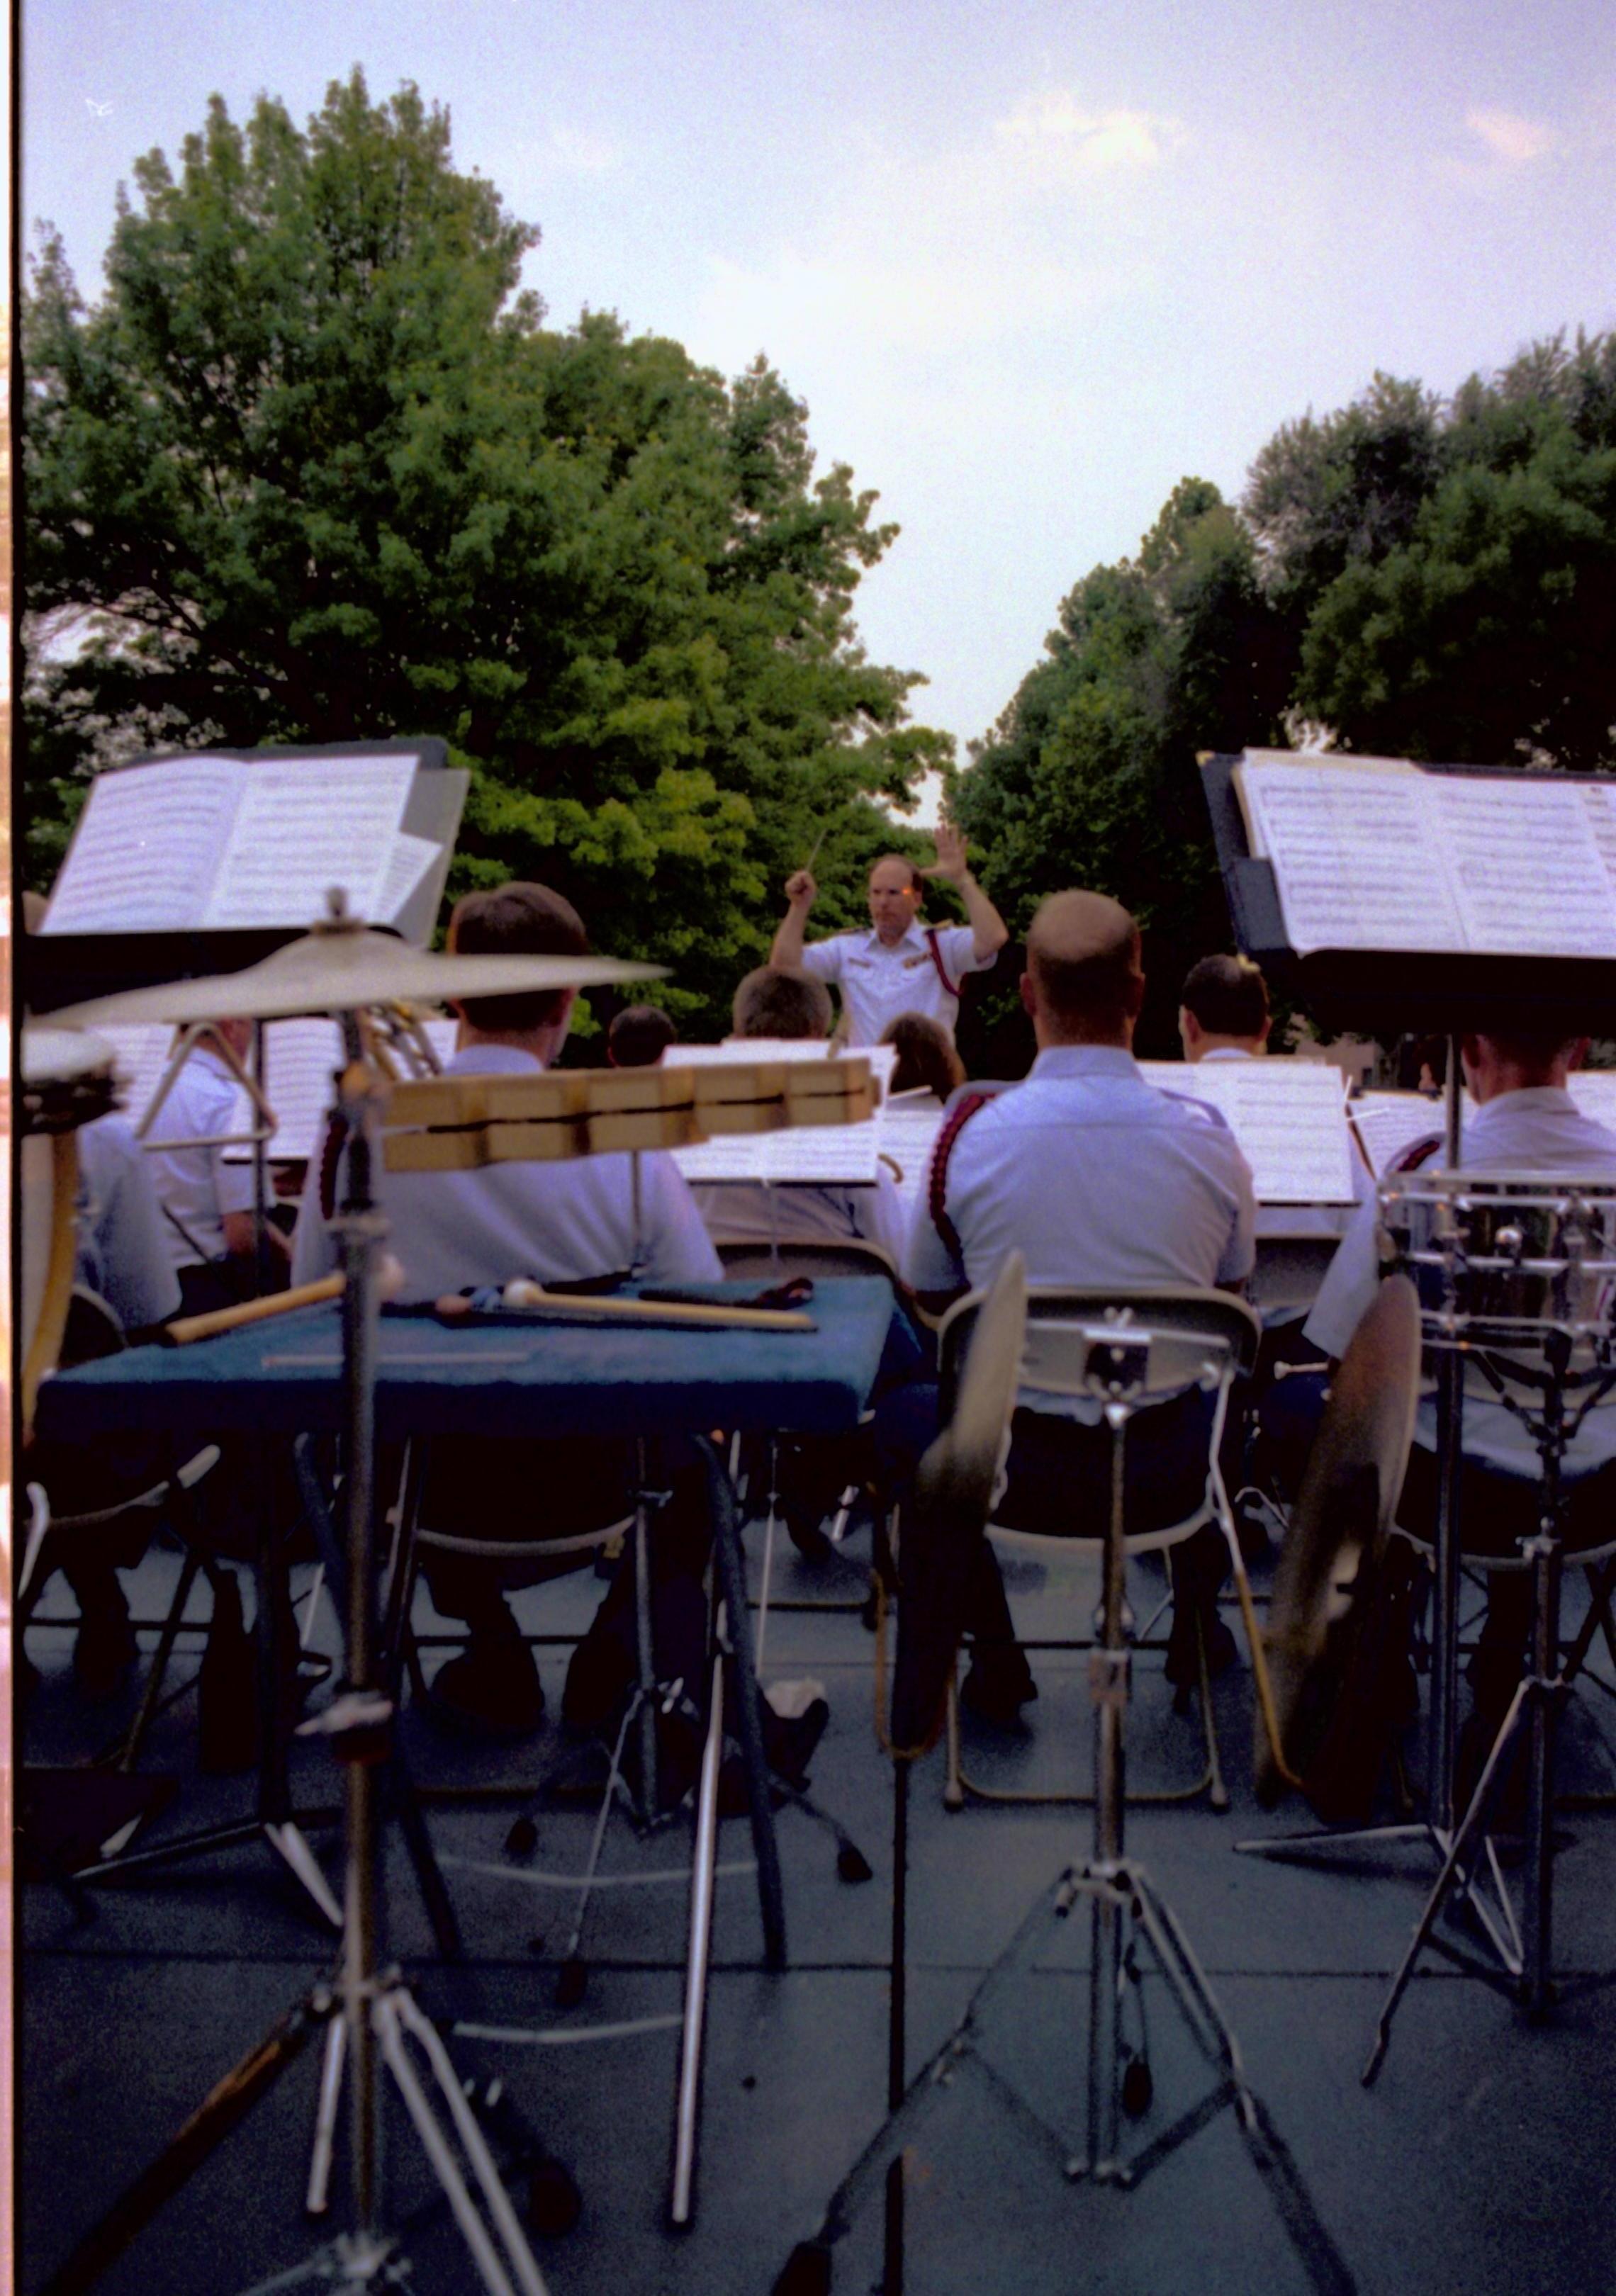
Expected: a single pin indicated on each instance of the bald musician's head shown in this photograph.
(1084, 984)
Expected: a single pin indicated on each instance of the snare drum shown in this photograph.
(67, 1079)
(1499, 1258)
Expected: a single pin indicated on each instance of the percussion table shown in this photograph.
(283, 1377)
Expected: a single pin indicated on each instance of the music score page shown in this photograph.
(1288, 1115)
(1374, 854)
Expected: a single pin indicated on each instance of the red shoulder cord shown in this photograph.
(331, 1158)
(954, 1124)
(937, 958)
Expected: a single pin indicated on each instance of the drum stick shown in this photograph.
(252, 1311)
(532, 1299)
(818, 841)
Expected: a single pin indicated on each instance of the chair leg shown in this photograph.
(129, 1752)
(954, 1785)
(1217, 1793)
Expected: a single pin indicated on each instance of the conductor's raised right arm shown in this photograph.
(800, 892)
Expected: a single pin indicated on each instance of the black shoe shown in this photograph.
(1183, 1667)
(492, 1690)
(998, 1685)
(804, 1531)
(789, 1741)
(103, 1651)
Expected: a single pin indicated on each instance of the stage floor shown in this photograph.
(1480, 2162)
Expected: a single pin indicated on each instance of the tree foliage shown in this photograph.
(1421, 579)
(313, 468)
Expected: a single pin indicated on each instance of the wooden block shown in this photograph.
(535, 1143)
(642, 1127)
(420, 1101)
(434, 1151)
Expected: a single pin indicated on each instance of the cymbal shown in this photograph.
(346, 968)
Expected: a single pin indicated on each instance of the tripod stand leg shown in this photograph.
(318, 2199)
(398, 2013)
(1451, 1866)
(221, 2110)
(749, 1726)
(688, 2098)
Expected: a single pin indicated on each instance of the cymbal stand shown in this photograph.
(1126, 1909)
(1434, 1833)
(377, 2014)
(1534, 1709)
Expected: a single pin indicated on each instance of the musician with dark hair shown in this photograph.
(898, 965)
(1522, 1119)
(638, 1036)
(1096, 1178)
(1223, 1010)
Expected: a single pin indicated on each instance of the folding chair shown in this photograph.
(1200, 1339)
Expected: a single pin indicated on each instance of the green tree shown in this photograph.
(1090, 777)
(313, 468)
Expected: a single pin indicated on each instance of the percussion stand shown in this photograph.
(1534, 1709)
(370, 2010)
(1125, 1906)
(1435, 1831)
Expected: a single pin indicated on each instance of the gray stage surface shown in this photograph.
(1481, 2162)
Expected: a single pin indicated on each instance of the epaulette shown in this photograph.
(953, 1125)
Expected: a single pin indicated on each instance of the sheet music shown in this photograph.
(1594, 1090)
(906, 1130)
(142, 1054)
(1528, 878)
(1388, 1122)
(302, 825)
(1288, 1115)
(1377, 855)
(146, 848)
(830, 1155)
(1352, 857)
(300, 1058)
(408, 864)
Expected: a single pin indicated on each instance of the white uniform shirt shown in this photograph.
(746, 1212)
(123, 1238)
(879, 983)
(1538, 1130)
(558, 1223)
(1095, 1177)
(196, 1186)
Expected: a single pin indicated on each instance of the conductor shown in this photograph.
(900, 965)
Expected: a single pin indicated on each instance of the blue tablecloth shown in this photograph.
(283, 1377)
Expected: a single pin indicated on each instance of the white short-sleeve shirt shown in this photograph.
(879, 983)
(746, 1212)
(196, 1186)
(1095, 1176)
(1541, 1129)
(123, 1238)
(559, 1222)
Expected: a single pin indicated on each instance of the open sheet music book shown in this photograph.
(830, 1155)
(1388, 1122)
(1288, 1115)
(207, 842)
(1594, 1090)
(1373, 853)
(908, 1127)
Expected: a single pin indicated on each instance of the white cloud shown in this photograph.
(1512, 140)
(581, 153)
(1061, 134)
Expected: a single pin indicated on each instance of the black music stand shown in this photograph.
(1385, 993)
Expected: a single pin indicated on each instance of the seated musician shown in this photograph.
(1223, 1010)
(927, 1061)
(792, 1008)
(557, 1222)
(1523, 1119)
(1097, 1179)
(207, 1202)
(638, 1036)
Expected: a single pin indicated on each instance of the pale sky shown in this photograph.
(1028, 264)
